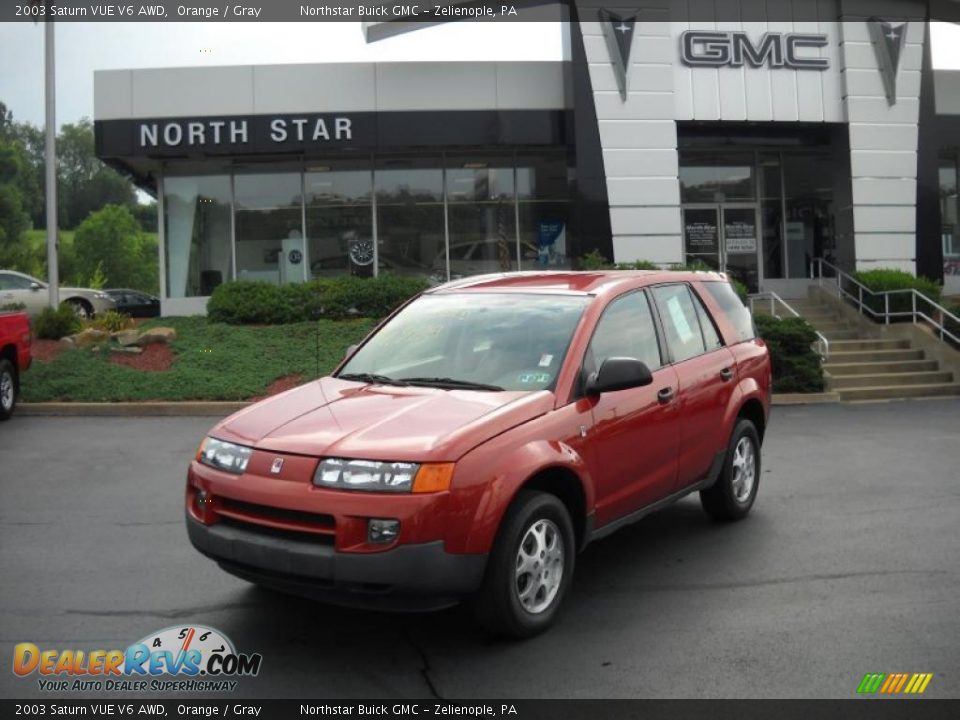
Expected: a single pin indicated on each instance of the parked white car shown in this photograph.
(16, 287)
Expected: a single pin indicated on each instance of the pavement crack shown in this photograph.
(425, 667)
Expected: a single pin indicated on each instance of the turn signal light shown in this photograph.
(433, 477)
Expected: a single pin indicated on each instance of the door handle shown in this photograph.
(665, 395)
(726, 374)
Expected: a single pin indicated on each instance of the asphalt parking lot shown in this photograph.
(849, 563)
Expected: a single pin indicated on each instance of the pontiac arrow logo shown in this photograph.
(619, 34)
(888, 42)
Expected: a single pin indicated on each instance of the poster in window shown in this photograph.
(700, 231)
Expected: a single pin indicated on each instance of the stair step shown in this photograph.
(900, 391)
(837, 369)
(833, 335)
(874, 355)
(868, 344)
(846, 382)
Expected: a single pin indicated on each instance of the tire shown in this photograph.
(534, 521)
(8, 389)
(82, 308)
(735, 491)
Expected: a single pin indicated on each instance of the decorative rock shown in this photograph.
(126, 338)
(90, 336)
(131, 350)
(157, 335)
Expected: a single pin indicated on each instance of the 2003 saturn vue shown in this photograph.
(485, 433)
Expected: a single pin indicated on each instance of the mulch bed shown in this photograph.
(45, 350)
(287, 382)
(156, 357)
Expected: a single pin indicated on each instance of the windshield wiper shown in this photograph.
(372, 379)
(451, 384)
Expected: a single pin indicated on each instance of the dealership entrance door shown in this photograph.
(724, 237)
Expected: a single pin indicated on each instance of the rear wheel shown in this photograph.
(530, 568)
(8, 389)
(82, 308)
(732, 496)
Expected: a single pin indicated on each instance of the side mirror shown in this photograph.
(618, 373)
(350, 350)
(36, 286)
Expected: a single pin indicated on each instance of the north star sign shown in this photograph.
(708, 48)
(207, 133)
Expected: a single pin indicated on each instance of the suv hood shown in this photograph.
(339, 418)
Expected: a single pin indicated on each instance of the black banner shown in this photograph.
(507, 709)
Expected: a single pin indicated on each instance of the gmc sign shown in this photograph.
(708, 48)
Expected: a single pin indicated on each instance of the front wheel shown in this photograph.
(530, 568)
(734, 492)
(8, 389)
(81, 308)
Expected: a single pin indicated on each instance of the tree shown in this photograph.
(14, 219)
(86, 184)
(111, 239)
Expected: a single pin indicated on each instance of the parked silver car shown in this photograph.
(15, 287)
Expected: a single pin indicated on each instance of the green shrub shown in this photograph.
(54, 324)
(593, 260)
(638, 265)
(884, 279)
(248, 302)
(13, 307)
(796, 367)
(369, 297)
(111, 321)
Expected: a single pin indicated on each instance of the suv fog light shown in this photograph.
(381, 532)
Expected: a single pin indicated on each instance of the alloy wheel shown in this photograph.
(539, 566)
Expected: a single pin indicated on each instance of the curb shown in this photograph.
(132, 409)
(222, 409)
(805, 398)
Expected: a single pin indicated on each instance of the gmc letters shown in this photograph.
(704, 48)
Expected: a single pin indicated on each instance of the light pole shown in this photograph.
(50, 150)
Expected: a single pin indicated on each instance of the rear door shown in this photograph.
(706, 372)
(632, 446)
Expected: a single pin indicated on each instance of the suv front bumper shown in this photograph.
(406, 577)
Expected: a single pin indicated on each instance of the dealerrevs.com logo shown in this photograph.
(194, 658)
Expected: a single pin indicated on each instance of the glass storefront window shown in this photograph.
(717, 177)
(771, 210)
(197, 234)
(339, 210)
(269, 226)
(410, 220)
(482, 216)
(949, 211)
(543, 207)
(808, 185)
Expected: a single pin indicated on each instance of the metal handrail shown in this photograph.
(915, 313)
(822, 344)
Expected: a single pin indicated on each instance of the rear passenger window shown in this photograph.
(733, 309)
(710, 335)
(680, 322)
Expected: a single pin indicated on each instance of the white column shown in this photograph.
(883, 148)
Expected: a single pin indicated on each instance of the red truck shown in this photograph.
(485, 433)
(15, 358)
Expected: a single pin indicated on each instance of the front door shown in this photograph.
(724, 237)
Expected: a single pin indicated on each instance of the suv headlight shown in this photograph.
(380, 476)
(224, 455)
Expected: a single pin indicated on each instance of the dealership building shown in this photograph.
(754, 147)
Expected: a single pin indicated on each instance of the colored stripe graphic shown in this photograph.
(895, 683)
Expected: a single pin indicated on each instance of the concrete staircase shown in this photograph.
(862, 367)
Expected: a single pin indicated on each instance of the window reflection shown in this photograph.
(410, 222)
(269, 227)
(197, 234)
(339, 211)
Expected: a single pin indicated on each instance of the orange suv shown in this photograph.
(482, 435)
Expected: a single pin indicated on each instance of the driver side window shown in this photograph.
(626, 329)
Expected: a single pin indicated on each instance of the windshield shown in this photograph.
(504, 341)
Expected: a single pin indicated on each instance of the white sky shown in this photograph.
(85, 47)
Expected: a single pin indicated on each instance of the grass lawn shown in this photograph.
(213, 362)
